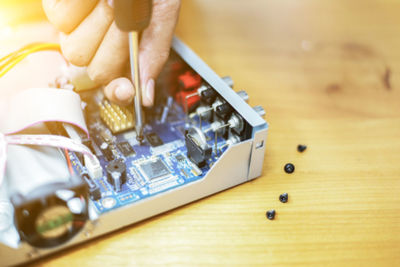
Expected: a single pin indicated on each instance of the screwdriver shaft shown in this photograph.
(134, 60)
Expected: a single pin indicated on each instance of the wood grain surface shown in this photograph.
(327, 73)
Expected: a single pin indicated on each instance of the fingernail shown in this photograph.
(122, 93)
(150, 92)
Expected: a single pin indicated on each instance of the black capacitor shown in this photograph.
(208, 96)
(116, 174)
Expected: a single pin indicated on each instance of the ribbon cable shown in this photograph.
(37, 140)
(43, 105)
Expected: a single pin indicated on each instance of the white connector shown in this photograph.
(93, 166)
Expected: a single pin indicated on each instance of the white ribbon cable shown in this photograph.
(32, 107)
(37, 140)
(37, 105)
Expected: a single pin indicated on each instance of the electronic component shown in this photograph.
(223, 111)
(204, 113)
(180, 158)
(187, 95)
(217, 126)
(94, 189)
(126, 149)
(196, 171)
(166, 109)
(236, 124)
(184, 173)
(106, 137)
(93, 166)
(153, 169)
(106, 151)
(233, 139)
(117, 118)
(208, 95)
(108, 202)
(116, 174)
(189, 81)
(198, 150)
(51, 214)
(154, 139)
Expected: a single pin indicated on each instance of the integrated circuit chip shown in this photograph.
(126, 149)
(153, 169)
(180, 158)
(154, 139)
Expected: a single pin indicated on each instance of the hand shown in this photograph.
(91, 38)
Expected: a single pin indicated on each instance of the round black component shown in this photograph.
(270, 214)
(116, 173)
(51, 215)
(301, 148)
(284, 197)
(289, 168)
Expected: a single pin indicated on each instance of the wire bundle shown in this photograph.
(10, 60)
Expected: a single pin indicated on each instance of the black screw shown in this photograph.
(284, 197)
(289, 168)
(140, 139)
(270, 214)
(301, 148)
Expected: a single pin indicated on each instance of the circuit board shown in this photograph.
(153, 167)
(200, 137)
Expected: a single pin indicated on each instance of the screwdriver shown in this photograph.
(133, 16)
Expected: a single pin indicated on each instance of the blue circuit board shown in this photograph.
(172, 154)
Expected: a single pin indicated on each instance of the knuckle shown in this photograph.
(97, 75)
(71, 55)
(163, 56)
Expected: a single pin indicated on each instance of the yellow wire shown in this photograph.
(18, 52)
(22, 55)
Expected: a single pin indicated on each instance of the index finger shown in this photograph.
(66, 15)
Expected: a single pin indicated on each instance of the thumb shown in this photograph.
(155, 45)
(120, 91)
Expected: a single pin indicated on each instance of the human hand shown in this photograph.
(91, 38)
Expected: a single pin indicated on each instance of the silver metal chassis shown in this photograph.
(238, 164)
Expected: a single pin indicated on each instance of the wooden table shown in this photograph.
(327, 73)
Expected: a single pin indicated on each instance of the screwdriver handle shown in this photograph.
(132, 15)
